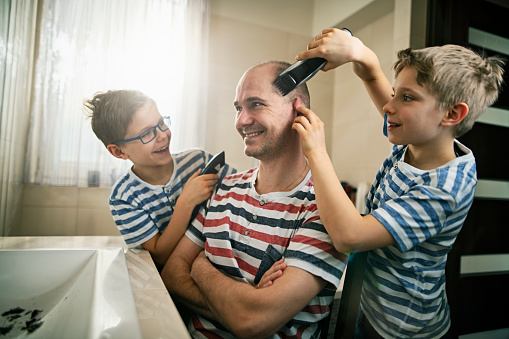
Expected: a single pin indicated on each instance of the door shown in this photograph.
(478, 265)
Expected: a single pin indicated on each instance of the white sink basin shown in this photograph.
(66, 293)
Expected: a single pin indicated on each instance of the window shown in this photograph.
(159, 47)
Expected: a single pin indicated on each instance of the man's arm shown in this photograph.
(249, 312)
(176, 277)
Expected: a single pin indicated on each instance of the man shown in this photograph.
(256, 218)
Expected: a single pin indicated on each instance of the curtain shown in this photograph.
(17, 30)
(159, 47)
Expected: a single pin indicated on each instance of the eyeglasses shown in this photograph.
(150, 134)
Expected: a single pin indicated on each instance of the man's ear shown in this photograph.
(297, 102)
(116, 151)
(455, 114)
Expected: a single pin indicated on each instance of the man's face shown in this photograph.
(264, 118)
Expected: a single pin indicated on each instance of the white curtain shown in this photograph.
(17, 30)
(159, 47)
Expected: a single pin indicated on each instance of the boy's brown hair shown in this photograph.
(112, 112)
(455, 74)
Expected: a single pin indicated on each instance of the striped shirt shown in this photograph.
(244, 233)
(142, 210)
(404, 286)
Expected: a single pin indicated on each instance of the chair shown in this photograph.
(350, 297)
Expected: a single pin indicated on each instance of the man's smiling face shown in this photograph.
(264, 118)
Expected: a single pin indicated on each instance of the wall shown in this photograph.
(327, 13)
(294, 16)
(359, 145)
(65, 211)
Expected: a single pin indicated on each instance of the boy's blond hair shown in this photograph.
(112, 112)
(455, 74)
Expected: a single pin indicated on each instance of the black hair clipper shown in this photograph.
(300, 72)
(214, 165)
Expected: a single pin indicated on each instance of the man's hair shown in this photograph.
(111, 113)
(455, 74)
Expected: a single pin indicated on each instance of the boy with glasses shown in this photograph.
(154, 201)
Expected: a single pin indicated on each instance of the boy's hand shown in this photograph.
(272, 274)
(335, 45)
(311, 130)
(198, 188)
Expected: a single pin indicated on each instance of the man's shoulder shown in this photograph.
(306, 191)
(240, 177)
(239, 182)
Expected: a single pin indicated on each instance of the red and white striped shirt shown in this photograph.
(244, 233)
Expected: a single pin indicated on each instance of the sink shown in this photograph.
(66, 293)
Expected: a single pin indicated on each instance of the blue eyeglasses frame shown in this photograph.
(163, 125)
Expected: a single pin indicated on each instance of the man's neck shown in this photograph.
(282, 174)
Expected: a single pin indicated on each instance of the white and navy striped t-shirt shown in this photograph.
(404, 286)
(141, 210)
(244, 233)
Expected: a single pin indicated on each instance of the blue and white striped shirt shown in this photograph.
(141, 210)
(245, 233)
(404, 286)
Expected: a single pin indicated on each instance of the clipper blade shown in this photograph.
(297, 74)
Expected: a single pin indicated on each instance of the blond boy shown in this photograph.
(424, 189)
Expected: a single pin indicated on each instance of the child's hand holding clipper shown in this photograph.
(337, 46)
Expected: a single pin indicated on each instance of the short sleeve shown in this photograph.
(311, 249)
(417, 215)
(134, 223)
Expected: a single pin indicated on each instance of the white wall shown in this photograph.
(294, 16)
(328, 13)
(358, 145)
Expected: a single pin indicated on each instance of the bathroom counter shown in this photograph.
(157, 313)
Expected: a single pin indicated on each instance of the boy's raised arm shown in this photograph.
(349, 231)
(339, 47)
